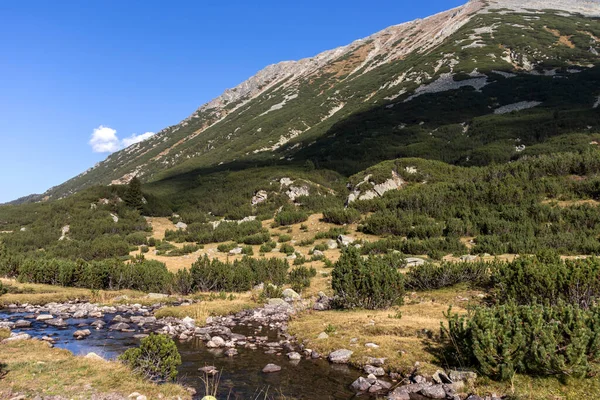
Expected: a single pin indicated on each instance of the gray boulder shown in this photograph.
(269, 368)
(291, 294)
(341, 356)
(360, 385)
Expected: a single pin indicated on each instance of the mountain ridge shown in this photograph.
(210, 131)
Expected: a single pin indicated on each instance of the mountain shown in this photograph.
(488, 82)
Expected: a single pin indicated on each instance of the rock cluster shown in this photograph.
(441, 385)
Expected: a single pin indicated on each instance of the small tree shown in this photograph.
(157, 358)
(370, 283)
(133, 195)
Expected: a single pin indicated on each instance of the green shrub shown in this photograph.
(540, 340)
(183, 282)
(3, 290)
(186, 249)
(271, 292)
(239, 276)
(341, 216)
(267, 247)
(287, 249)
(226, 247)
(137, 238)
(284, 238)
(299, 278)
(306, 242)
(290, 217)
(320, 247)
(332, 233)
(257, 238)
(366, 283)
(548, 279)
(247, 250)
(433, 276)
(157, 358)
(144, 249)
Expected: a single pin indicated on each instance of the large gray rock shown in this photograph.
(291, 294)
(260, 197)
(377, 371)
(433, 392)
(82, 334)
(465, 376)
(344, 240)
(413, 262)
(237, 250)
(360, 385)
(22, 324)
(16, 337)
(341, 356)
(157, 296)
(269, 368)
(119, 326)
(56, 322)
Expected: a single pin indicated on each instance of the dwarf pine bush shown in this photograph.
(540, 340)
(370, 283)
(157, 358)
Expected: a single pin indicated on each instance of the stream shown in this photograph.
(241, 375)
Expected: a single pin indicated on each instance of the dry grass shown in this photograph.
(159, 226)
(562, 39)
(38, 294)
(403, 341)
(33, 368)
(225, 304)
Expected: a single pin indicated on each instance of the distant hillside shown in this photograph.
(487, 82)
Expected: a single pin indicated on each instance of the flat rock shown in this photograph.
(269, 368)
(82, 334)
(341, 356)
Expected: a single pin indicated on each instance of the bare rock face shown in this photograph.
(367, 190)
(260, 197)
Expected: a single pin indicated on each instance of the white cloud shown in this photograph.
(133, 139)
(105, 140)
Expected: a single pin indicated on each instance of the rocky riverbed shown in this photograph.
(251, 349)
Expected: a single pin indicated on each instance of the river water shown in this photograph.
(241, 375)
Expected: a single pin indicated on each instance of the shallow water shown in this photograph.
(241, 376)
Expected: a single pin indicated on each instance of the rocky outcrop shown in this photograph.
(367, 189)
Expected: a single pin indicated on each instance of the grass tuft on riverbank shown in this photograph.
(33, 368)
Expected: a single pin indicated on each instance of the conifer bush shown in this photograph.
(290, 217)
(157, 358)
(239, 276)
(370, 283)
(299, 278)
(431, 276)
(548, 279)
(341, 216)
(542, 340)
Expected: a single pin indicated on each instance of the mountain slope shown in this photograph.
(441, 87)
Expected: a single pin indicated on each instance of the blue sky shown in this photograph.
(69, 67)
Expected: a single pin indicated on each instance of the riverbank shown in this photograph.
(32, 368)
